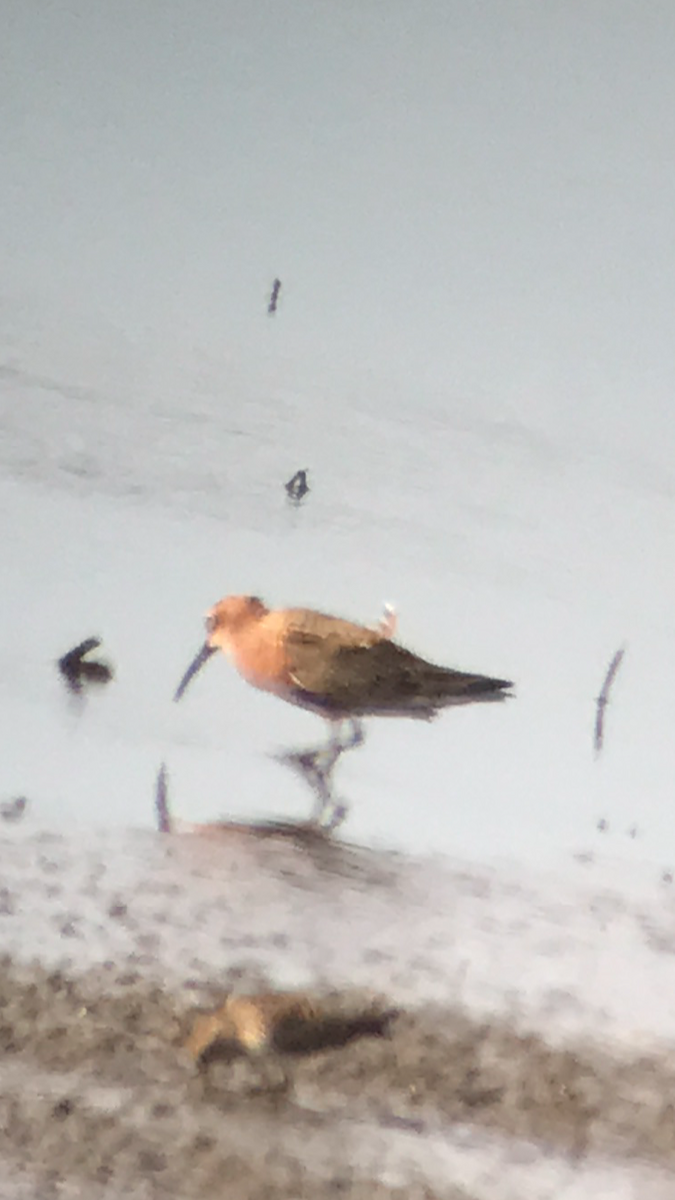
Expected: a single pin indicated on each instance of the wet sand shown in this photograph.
(97, 1091)
(99, 1098)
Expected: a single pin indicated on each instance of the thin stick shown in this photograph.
(162, 801)
(603, 699)
(274, 297)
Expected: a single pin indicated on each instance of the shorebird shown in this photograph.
(78, 670)
(338, 669)
(274, 1025)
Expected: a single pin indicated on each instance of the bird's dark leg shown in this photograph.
(308, 763)
(329, 812)
(318, 765)
(337, 745)
(357, 735)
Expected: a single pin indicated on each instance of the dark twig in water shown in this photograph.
(77, 670)
(297, 487)
(274, 297)
(162, 801)
(603, 699)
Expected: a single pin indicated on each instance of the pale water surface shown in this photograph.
(471, 217)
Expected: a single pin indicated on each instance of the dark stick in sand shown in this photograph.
(162, 801)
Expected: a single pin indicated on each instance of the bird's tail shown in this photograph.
(387, 679)
(457, 687)
(430, 686)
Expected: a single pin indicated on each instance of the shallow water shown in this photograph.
(469, 354)
(536, 573)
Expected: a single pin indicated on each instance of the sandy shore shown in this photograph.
(98, 1097)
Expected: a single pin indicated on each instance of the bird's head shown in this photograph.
(224, 623)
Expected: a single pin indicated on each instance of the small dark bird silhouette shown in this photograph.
(297, 487)
(13, 810)
(273, 1026)
(78, 670)
(603, 699)
(274, 297)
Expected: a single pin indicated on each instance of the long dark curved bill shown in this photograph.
(195, 666)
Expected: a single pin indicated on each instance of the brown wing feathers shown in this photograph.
(381, 677)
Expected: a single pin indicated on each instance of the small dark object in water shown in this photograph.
(603, 699)
(162, 801)
(78, 670)
(297, 487)
(272, 306)
(602, 825)
(13, 810)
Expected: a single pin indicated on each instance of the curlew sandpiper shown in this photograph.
(338, 669)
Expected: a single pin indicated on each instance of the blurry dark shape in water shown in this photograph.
(297, 487)
(667, 877)
(603, 699)
(271, 1026)
(14, 810)
(306, 834)
(78, 671)
(263, 839)
(585, 857)
(274, 297)
(162, 801)
(602, 825)
(633, 832)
